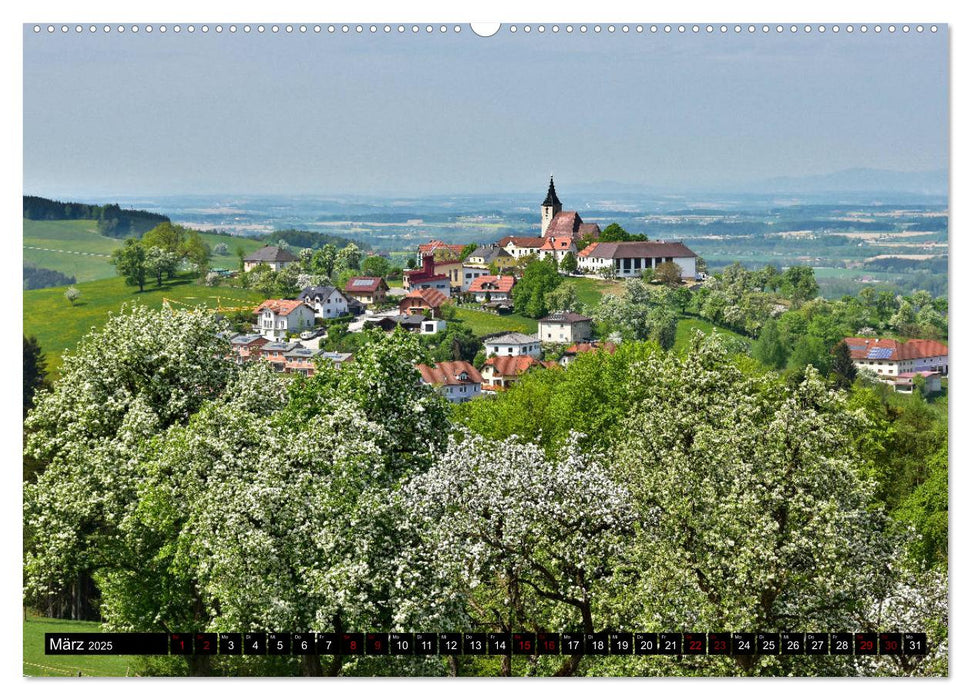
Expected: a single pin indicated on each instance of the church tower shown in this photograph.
(551, 207)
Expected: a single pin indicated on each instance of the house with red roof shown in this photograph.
(570, 354)
(427, 302)
(367, 290)
(432, 274)
(278, 318)
(492, 288)
(501, 372)
(890, 359)
(457, 381)
(449, 250)
(521, 246)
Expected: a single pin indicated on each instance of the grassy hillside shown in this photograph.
(590, 290)
(74, 247)
(483, 322)
(36, 663)
(71, 247)
(58, 325)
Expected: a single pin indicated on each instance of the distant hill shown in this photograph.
(113, 221)
(927, 182)
(311, 239)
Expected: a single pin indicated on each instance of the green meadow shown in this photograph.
(36, 663)
(74, 247)
(59, 326)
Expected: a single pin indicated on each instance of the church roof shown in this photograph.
(551, 199)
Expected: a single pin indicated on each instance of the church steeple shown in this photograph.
(551, 207)
(551, 199)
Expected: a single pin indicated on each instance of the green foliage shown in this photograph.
(569, 263)
(768, 348)
(564, 298)
(35, 371)
(529, 295)
(668, 273)
(843, 367)
(637, 315)
(376, 266)
(129, 261)
(614, 232)
(799, 284)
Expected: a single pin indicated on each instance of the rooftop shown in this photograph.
(270, 253)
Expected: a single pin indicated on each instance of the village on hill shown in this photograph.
(288, 333)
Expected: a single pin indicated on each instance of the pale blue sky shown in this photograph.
(328, 114)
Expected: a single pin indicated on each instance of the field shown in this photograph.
(484, 323)
(59, 326)
(590, 290)
(74, 247)
(70, 247)
(36, 663)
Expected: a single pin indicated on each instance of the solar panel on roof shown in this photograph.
(362, 283)
(879, 353)
(857, 348)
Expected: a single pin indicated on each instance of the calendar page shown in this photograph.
(437, 349)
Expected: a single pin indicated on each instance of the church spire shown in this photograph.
(551, 199)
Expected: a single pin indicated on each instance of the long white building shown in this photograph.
(631, 258)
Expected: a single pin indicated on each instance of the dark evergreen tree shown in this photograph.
(843, 368)
(35, 371)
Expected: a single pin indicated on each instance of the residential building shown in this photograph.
(388, 322)
(499, 373)
(556, 247)
(423, 301)
(430, 276)
(521, 246)
(275, 257)
(327, 302)
(246, 348)
(457, 381)
(339, 359)
(301, 360)
(367, 290)
(486, 255)
(631, 258)
(889, 358)
(513, 344)
(904, 383)
(470, 273)
(492, 288)
(278, 318)
(276, 353)
(449, 250)
(564, 327)
(571, 352)
(432, 326)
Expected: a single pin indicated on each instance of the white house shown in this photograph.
(470, 273)
(512, 345)
(432, 326)
(457, 381)
(492, 288)
(278, 318)
(631, 258)
(520, 246)
(564, 327)
(327, 302)
(890, 358)
(275, 257)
